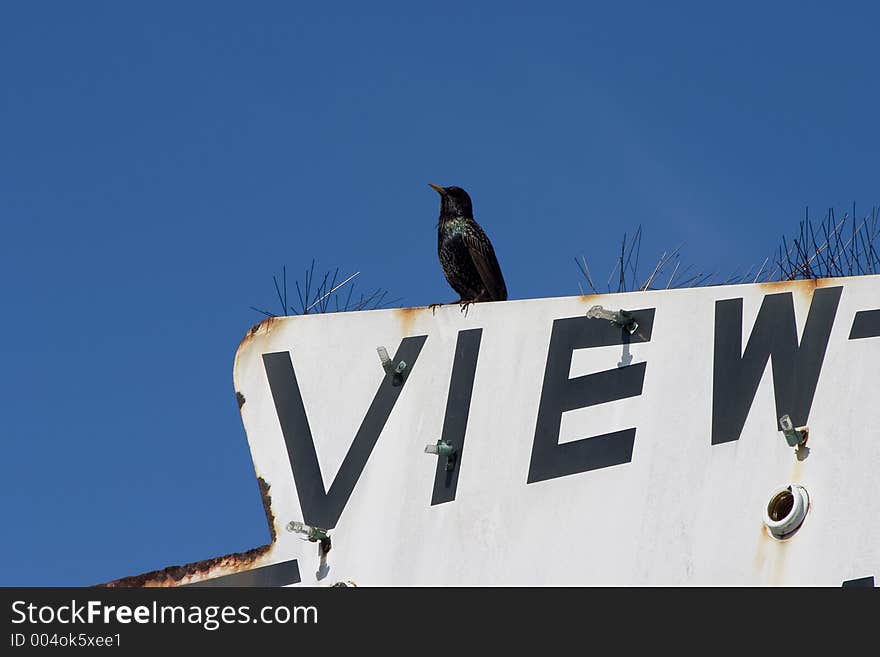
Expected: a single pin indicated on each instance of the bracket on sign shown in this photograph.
(795, 436)
(621, 318)
(443, 449)
(313, 534)
(388, 365)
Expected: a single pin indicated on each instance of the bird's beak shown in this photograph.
(437, 188)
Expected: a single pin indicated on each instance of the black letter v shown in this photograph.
(322, 509)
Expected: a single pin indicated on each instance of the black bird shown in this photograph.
(466, 254)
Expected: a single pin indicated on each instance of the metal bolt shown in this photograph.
(794, 436)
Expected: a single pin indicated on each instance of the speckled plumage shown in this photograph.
(465, 252)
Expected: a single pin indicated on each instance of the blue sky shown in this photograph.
(159, 163)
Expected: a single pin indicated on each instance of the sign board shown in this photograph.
(583, 452)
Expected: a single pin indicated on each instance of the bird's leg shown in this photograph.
(435, 306)
(464, 303)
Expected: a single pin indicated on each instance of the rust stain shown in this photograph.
(265, 325)
(797, 471)
(407, 317)
(192, 572)
(267, 508)
(777, 567)
(800, 286)
(760, 554)
(209, 568)
(771, 552)
(240, 399)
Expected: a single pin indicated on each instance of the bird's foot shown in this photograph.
(463, 305)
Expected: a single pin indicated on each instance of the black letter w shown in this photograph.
(774, 336)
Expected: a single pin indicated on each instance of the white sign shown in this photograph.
(635, 448)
